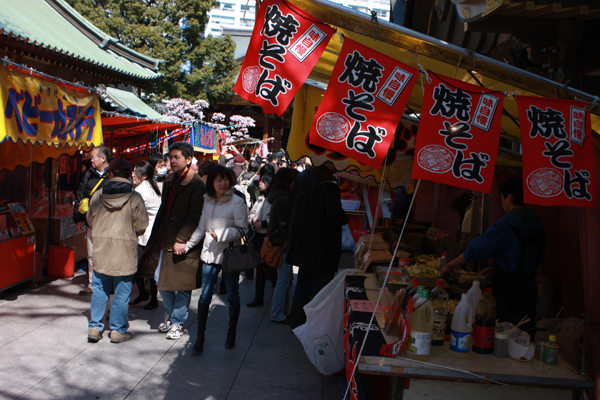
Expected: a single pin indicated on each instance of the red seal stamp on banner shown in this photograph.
(333, 127)
(250, 78)
(545, 182)
(435, 158)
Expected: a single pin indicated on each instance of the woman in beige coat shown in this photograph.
(222, 214)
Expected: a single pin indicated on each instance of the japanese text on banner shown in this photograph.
(363, 104)
(459, 132)
(284, 48)
(558, 161)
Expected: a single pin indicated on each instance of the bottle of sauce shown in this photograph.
(474, 295)
(551, 351)
(462, 326)
(439, 301)
(421, 329)
(484, 327)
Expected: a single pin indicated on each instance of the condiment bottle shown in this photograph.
(443, 261)
(501, 344)
(462, 326)
(485, 324)
(421, 329)
(551, 351)
(439, 300)
(474, 295)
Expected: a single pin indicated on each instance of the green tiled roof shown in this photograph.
(55, 26)
(129, 103)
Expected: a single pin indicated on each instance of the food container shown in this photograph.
(539, 349)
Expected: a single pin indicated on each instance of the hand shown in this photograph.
(257, 224)
(487, 271)
(80, 226)
(446, 270)
(214, 236)
(179, 248)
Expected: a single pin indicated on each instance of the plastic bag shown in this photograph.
(322, 336)
(348, 243)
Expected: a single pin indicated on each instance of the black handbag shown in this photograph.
(241, 257)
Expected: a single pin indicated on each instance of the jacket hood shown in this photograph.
(526, 220)
(116, 193)
(226, 197)
(277, 193)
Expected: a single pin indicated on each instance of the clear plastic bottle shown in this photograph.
(439, 301)
(417, 298)
(421, 330)
(412, 288)
(462, 326)
(443, 261)
(484, 327)
(474, 295)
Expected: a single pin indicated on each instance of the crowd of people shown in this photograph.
(165, 223)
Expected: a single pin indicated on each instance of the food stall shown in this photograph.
(17, 246)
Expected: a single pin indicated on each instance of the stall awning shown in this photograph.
(420, 51)
(44, 118)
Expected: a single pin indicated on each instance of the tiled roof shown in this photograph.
(53, 25)
(128, 103)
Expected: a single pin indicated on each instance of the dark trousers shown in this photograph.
(310, 282)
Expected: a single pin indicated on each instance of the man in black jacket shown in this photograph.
(101, 157)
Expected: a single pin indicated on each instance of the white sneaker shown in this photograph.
(175, 332)
(165, 325)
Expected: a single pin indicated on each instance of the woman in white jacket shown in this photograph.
(145, 185)
(222, 214)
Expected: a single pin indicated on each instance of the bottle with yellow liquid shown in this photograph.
(462, 326)
(421, 329)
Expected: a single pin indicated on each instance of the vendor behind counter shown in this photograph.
(517, 243)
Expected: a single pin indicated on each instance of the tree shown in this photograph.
(171, 30)
(237, 127)
(182, 110)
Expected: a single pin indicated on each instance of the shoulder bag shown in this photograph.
(271, 255)
(84, 204)
(241, 257)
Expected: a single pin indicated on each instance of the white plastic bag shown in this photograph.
(322, 336)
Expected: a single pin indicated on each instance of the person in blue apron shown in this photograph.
(517, 242)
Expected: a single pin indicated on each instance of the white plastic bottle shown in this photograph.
(462, 326)
(421, 330)
(474, 295)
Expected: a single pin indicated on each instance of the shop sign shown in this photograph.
(458, 136)
(284, 48)
(36, 110)
(558, 160)
(203, 137)
(363, 104)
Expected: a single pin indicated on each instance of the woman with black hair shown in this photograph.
(222, 214)
(259, 219)
(145, 185)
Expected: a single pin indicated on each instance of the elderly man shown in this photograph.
(118, 216)
(94, 177)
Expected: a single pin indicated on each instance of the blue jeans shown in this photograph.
(102, 286)
(281, 301)
(177, 305)
(210, 273)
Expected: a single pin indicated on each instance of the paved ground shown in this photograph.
(44, 353)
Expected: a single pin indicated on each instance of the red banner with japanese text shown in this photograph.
(363, 104)
(458, 136)
(284, 48)
(558, 160)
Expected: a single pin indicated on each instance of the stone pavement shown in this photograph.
(44, 353)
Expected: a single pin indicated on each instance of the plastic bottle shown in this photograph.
(443, 261)
(439, 301)
(550, 351)
(484, 327)
(474, 295)
(462, 326)
(412, 288)
(417, 295)
(421, 330)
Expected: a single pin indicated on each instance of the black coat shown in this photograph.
(279, 218)
(89, 179)
(315, 233)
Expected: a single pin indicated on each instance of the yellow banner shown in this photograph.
(43, 119)
(399, 160)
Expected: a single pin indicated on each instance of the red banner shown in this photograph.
(284, 48)
(363, 104)
(558, 160)
(459, 132)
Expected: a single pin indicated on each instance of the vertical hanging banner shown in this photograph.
(284, 48)
(558, 160)
(363, 104)
(459, 132)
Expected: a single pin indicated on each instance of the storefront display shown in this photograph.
(17, 246)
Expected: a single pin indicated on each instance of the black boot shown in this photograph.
(234, 315)
(153, 303)
(259, 289)
(223, 289)
(143, 295)
(202, 317)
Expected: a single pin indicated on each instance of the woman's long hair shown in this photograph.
(144, 168)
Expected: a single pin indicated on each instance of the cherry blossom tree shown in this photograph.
(237, 128)
(182, 110)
